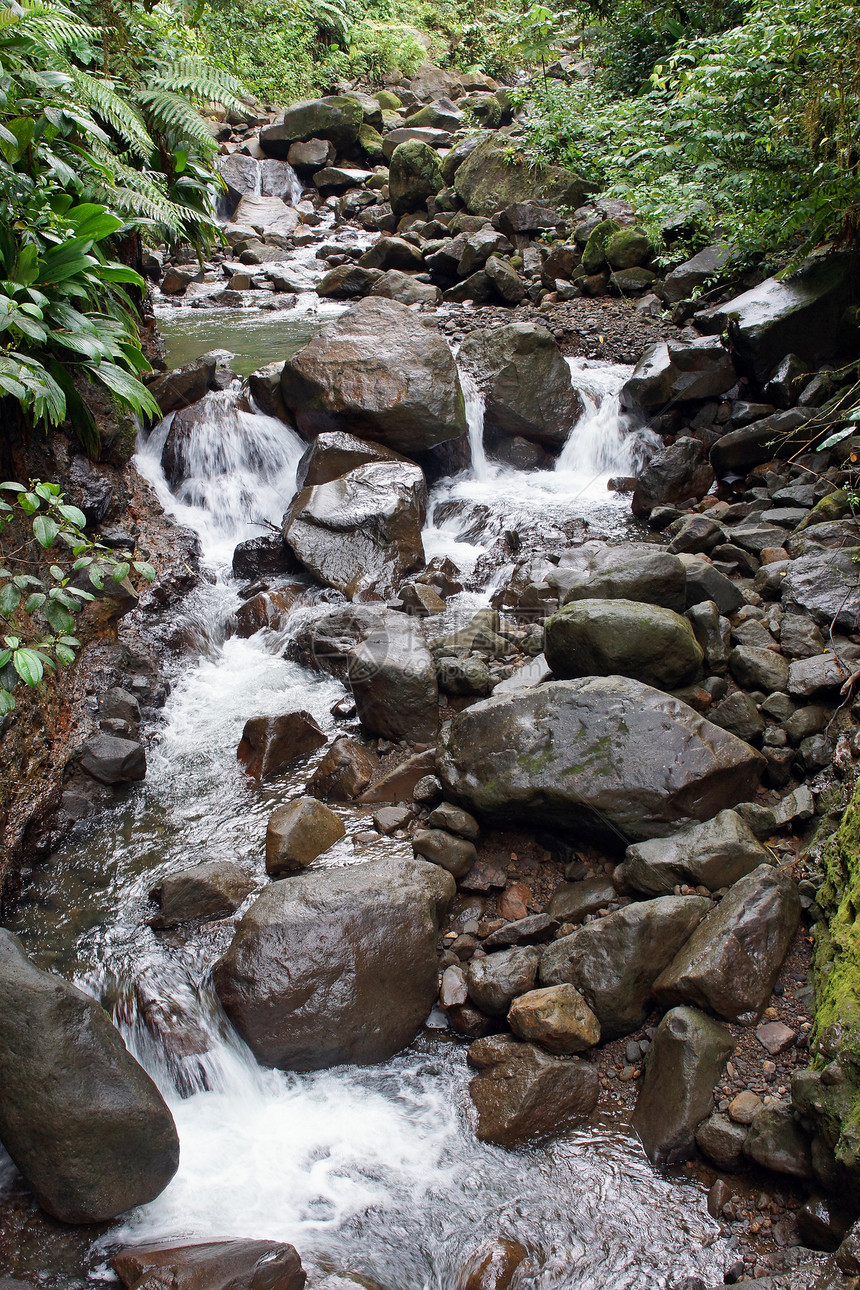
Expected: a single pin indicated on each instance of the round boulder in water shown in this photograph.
(624, 638)
(377, 372)
(80, 1118)
(337, 965)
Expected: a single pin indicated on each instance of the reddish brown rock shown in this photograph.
(271, 744)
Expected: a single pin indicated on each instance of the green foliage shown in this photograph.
(759, 122)
(84, 159)
(40, 610)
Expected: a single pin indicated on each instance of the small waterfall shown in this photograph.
(475, 405)
(238, 466)
(605, 440)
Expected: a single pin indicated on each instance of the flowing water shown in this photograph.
(376, 1170)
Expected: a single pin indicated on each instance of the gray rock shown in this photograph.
(113, 760)
(681, 282)
(393, 681)
(704, 582)
(571, 901)
(591, 756)
(488, 181)
(685, 1060)
(676, 474)
(824, 583)
(363, 530)
(82, 1121)
(336, 965)
(614, 961)
(392, 253)
(776, 1141)
(732, 960)
(407, 290)
(335, 118)
(522, 1093)
(622, 638)
(739, 715)
(675, 371)
(722, 1141)
(213, 889)
(526, 383)
(807, 676)
(452, 853)
(450, 817)
(780, 435)
(337, 453)
(630, 571)
(712, 631)
(184, 385)
(497, 979)
(759, 669)
(713, 855)
(347, 282)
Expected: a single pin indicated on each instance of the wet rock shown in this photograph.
(712, 631)
(534, 929)
(84, 1124)
(557, 1018)
(596, 754)
(269, 745)
(807, 676)
(521, 1092)
(572, 901)
(184, 385)
(488, 181)
(214, 889)
(262, 557)
(848, 1254)
(713, 855)
(497, 979)
(299, 832)
(266, 609)
(775, 1141)
(392, 253)
(744, 1107)
(113, 760)
(730, 963)
(676, 474)
(450, 817)
(335, 118)
(212, 1265)
(344, 772)
(336, 965)
(400, 783)
(377, 372)
(393, 681)
(506, 282)
(722, 1141)
(759, 669)
(464, 675)
(629, 571)
(362, 530)
(622, 638)
(614, 962)
(676, 371)
(800, 314)
(681, 282)
(452, 853)
(685, 1060)
(779, 435)
(311, 155)
(526, 382)
(347, 282)
(824, 583)
(492, 1268)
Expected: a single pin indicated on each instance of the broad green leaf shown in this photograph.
(145, 570)
(45, 530)
(10, 599)
(29, 665)
(73, 515)
(7, 702)
(121, 571)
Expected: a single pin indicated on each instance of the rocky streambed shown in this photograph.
(456, 908)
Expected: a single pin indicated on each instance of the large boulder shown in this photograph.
(614, 961)
(379, 373)
(335, 118)
(270, 744)
(393, 680)
(414, 174)
(362, 530)
(297, 833)
(211, 1265)
(782, 434)
(337, 453)
(630, 571)
(799, 314)
(406, 289)
(526, 383)
(824, 584)
(684, 1062)
(707, 264)
(730, 963)
(556, 1017)
(676, 371)
(713, 855)
(624, 638)
(213, 889)
(521, 1092)
(80, 1118)
(596, 756)
(678, 473)
(392, 253)
(336, 965)
(488, 180)
(241, 175)
(495, 980)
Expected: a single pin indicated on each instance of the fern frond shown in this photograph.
(125, 119)
(173, 115)
(203, 82)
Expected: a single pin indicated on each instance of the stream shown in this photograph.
(371, 1171)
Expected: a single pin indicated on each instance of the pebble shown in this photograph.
(743, 1107)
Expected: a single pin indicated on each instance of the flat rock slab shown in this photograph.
(596, 756)
(713, 855)
(212, 1265)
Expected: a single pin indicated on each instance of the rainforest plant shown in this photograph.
(39, 609)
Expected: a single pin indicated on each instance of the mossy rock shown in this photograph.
(370, 142)
(834, 1108)
(834, 506)
(494, 175)
(629, 248)
(387, 101)
(414, 174)
(483, 109)
(633, 282)
(594, 255)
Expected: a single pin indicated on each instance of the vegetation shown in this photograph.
(100, 136)
(39, 612)
(753, 125)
